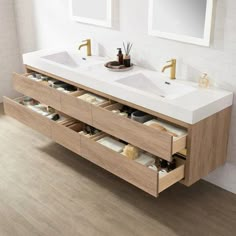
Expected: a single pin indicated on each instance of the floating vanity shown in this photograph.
(202, 114)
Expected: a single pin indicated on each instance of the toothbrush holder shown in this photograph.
(127, 61)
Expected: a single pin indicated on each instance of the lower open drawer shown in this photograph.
(129, 170)
(27, 116)
(133, 172)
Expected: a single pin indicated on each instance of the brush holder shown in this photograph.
(127, 61)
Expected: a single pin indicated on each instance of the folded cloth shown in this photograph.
(174, 131)
(112, 144)
(92, 98)
(145, 159)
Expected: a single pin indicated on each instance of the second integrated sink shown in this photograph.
(156, 86)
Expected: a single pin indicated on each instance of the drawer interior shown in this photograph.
(165, 139)
(51, 82)
(154, 163)
(157, 124)
(151, 174)
(67, 89)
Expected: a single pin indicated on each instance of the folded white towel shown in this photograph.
(112, 144)
(180, 132)
(145, 160)
(92, 98)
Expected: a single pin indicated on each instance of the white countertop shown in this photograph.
(190, 108)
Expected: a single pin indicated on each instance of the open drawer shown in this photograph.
(64, 132)
(147, 138)
(37, 90)
(137, 174)
(26, 116)
(77, 104)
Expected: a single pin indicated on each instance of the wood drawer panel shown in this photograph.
(77, 108)
(134, 173)
(172, 177)
(27, 117)
(66, 137)
(144, 137)
(141, 176)
(37, 90)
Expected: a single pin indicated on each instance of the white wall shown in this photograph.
(9, 51)
(46, 24)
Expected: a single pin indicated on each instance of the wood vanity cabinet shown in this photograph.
(204, 146)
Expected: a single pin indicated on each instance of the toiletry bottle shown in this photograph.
(171, 165)
(204, 81)
(120, 57)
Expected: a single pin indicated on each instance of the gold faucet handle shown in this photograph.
(86, 40)
(172, 61)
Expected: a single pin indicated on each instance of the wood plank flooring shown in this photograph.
(46, 190)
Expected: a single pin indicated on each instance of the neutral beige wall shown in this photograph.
(9, 50)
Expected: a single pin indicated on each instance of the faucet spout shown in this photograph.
(166, 67)
(82, 45)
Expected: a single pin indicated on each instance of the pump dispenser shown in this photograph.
(204, 81)
(120, 56)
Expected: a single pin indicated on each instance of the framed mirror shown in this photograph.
(187, 21)
(92, 12)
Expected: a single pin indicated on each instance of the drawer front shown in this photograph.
(144, 137)
(27, 117)
(76, 108)
(66, 137)
(172, 177)
(36, 90)
(134, 173)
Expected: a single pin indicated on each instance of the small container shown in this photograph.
(127, 61)
(27, 101)
(140, 116)
(171, 165)
(163, 163)
(116, 111)
(124, 114)
(204, 81)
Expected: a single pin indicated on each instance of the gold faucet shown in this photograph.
(87, 43)
(172, 67)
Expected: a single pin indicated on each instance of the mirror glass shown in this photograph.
(182, 20)
(92, 12)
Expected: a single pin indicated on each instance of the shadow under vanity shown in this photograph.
(143, 147)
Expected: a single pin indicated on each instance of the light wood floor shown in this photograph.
(47, 190)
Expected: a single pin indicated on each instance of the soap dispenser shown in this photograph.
(120, 56)
(204, 81)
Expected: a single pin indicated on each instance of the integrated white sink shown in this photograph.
(182, 100)
(158, 87)
(72, 59)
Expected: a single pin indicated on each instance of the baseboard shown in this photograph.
(224, 177)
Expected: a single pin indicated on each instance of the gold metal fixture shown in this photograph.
(172, 67)
(87, 43)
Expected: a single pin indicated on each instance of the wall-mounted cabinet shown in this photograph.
(199, 149)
